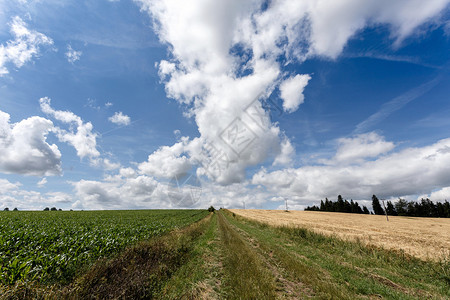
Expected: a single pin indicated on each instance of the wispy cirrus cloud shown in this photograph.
(72, 55)
(395, 104)
(23, 47)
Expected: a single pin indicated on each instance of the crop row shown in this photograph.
(55, 246)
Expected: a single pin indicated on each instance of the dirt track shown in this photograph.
(426, 238)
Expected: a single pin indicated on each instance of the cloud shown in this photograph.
(286, 153)
(360, 147)
(292, 92)
(232, 58)
(23, 48)
(42, 182)
(24, 148)
(58, 198)
(109, 165)
(118, 192)
(205, 76)
(13, 195)
(72, 55)
(395, 104)
(80, 135)
(438, 195)
(84, 140)
(6, 186)
(411, 171)
(166, 162)
(120, 119)
(333, 23)
(129, 189)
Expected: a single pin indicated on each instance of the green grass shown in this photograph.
(55, 246)
(194, 279)
(334, 268)
(247, 278)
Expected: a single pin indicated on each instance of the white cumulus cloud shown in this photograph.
(166, 162)
(83, 139)
(225, 56)
(118, 192)
(292, 92)
(411, 171)
(120, 119)
(24, 148)
(361, 146)
(438, 195)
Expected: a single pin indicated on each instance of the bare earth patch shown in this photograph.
(425, 238)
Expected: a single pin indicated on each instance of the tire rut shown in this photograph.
(286, 288)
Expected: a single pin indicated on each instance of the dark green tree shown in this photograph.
(340, 205)
(411, 209)
(347, 207)
(366, 210)
(401, 207)
(446, 209)
(377, 209)
(390, 209)
(313, 208)
(329, 205)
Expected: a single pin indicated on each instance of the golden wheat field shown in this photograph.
(425, 238)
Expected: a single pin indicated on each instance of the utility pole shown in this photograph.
(286, 204)
(385, 211)
(244, 204)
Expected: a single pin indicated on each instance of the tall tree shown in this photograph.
(401, 207)
(366, 210)
(377, 209)
(340, 205)
(390, 209)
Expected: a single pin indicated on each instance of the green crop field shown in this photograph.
(139, 255)
(52, 246)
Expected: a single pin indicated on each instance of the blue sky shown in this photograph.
(103, 104)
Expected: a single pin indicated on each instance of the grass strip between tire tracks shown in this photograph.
(246, 278)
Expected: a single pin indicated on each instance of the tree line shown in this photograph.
(340, 205)
(401, 207)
